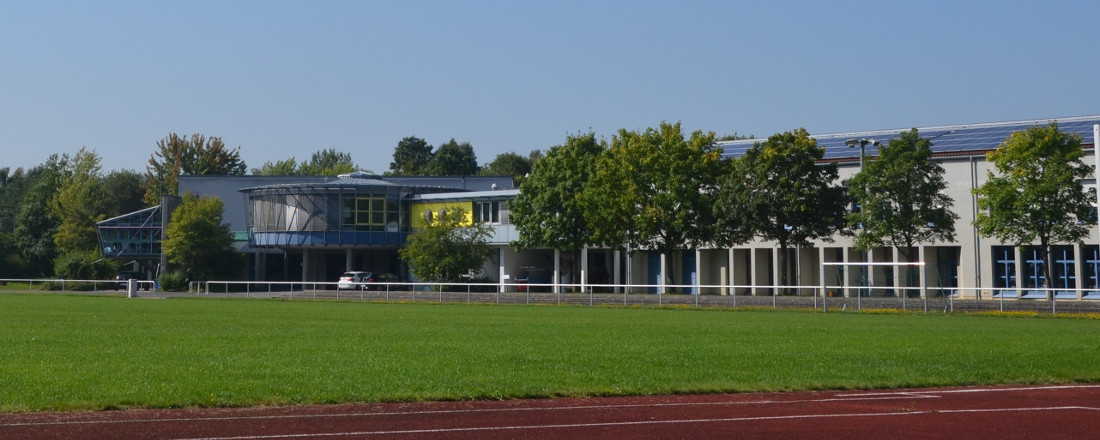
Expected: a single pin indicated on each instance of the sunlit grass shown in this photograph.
(77, 352)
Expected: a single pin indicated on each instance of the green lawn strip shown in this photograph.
(60, 352)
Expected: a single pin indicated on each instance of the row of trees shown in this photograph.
(414, 156)
(50, 211)
(660, 190)
(48, 214)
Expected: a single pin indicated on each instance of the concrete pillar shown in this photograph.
(661, 273)
(752, 271)
(584, 269)
(349, 260)
(305, 265)
(1079, 267)
(616, 266)
(846, 272)
(699, 272)
(776, 271)
(731, 278)
(924, 272)
(502, 275)
(821, 270)
(557, 271)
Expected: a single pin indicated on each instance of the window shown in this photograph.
(1034, 268)
(369, 213)
(1065, 276)
(487, 212)
(1004, 266)
(1092, 267)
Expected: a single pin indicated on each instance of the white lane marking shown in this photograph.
(968, 390)
(868, 396)
(635, 423)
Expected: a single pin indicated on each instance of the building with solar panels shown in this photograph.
(972, 266)
(314, 228)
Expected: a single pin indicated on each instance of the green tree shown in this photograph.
(198, 156)
(411, 157)
(448, 249)
(734, 137)
(654, 190)
(323, 163)
(124, 191)
(453, 159)
(287, 167)
(83, 265)
(778, 191)
(548, 213)
(13, 188)
(81, 201)
(199, 240)
(36, 224)
(1036, 195)
(901, 197)
(508, 164)
(327, 163)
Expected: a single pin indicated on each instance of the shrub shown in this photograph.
(83, 265)
(174, 281)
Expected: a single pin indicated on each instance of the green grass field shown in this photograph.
(60, 352)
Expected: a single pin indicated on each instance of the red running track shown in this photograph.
(1013, 412)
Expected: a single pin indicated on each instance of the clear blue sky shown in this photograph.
(282, 79)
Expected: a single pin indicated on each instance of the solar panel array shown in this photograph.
(958, 139)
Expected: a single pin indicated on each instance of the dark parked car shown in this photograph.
(123, 277)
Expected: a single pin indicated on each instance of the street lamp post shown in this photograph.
(862, 143)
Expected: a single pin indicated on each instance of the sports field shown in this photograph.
(60, 352)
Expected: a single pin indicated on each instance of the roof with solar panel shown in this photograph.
(953, 140)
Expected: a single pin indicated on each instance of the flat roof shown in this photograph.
(946, 140)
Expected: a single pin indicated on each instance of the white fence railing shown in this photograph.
(821, 297)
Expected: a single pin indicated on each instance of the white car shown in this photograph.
(354, 280)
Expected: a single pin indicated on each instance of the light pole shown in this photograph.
(862, 143)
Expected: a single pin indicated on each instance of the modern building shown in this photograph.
(314, 228)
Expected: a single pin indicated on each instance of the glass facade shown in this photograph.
(132, 235)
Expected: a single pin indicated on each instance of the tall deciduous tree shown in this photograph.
(901, 197)
(1035, 196)
(81, 201)
(323, 163)
(453, 159)
(778, 191)
(327, 163)
(508, 164)
(447, 249)
(36, 224)
(200, 241)
(655, 190)
(13, 187)
(199, 156)
(287, 167)
(548, 212)
(124, 191)
(411, 157)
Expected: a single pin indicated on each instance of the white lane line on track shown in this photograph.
(868, 396)
(633, 423)
(967, 390)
